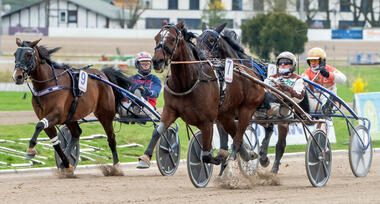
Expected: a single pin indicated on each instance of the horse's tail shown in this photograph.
(118, 78)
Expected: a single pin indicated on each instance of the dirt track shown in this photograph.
(148, 186)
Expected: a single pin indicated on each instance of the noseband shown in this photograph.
(23, 65)
(212, 48)
(162, 45)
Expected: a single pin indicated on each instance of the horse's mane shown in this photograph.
(45, 53)
(189, 36)
(231, 37)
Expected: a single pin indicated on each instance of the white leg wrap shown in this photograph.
(55, 140)
(45, 122)
(161, 128)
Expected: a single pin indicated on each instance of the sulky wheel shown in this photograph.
(249, 168)
(64, 137)
(200, 173)
(318, 159)
(360, 151)
(168, 152)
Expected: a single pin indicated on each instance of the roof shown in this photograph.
(103, 7)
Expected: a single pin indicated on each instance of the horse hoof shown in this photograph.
(117, 170)
(264, 162)
(69, 172)
(30, 153)
(211, 159)
(227, 173)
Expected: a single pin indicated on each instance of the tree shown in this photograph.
(215, 14)
(274, 33)
(135, 9)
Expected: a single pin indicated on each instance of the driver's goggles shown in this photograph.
(284, 62)
(314, 61)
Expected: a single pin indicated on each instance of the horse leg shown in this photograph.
(167, 118)
(229, 127)
(264, 161)
(108, 127)
(76, 131)
(244, 117)
(67, 168)
(49, 121)
(207, 157)
(280, 146)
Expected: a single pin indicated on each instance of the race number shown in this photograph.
(272, 69)
(228, 70)
(83, 78)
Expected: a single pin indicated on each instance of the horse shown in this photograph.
(57, 100)
(215, 45)
(192, 92)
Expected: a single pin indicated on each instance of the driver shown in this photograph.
(146, 84)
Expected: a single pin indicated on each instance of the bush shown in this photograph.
(274, 33)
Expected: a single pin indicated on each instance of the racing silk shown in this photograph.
(151, 82)
(294, 88)
(329, 83)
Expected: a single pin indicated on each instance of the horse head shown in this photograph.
(25, 60)
(209, 40)
(167, 41)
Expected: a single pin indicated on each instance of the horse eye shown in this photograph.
(172, 39)
(212, 41)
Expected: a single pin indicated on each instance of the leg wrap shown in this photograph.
(63, 157)
(42, 124)
(157, 132)
(223, 138)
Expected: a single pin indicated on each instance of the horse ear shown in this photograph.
(181, 24)
(18, 42)
(34, 43)
(220, 28)
(204, 26)
(164, 22)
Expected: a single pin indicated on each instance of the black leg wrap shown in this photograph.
(39, 127)
(223, 135)
(152, 143)
(63, 157)
(115, 158)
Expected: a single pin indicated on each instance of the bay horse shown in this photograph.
(192, 92)
(57, 100)
(215, 44)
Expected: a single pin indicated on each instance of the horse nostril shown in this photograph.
(19, 77)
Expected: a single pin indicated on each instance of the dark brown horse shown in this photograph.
(192, 92)
(215, 45)
(55, 102)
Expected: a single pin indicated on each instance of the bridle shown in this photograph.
(212, 48)
(21, 64)
(162, 45)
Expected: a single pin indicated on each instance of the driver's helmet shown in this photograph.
(143, 56)
(316, 53)
(287, 55)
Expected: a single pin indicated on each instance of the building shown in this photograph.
(31, 14)
(110, 13)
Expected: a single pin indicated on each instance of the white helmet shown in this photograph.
(287, 55)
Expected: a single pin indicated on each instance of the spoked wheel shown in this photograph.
(249, 168)
(360, 151)
(200, 173)
(318, 163)
(64, 135)
(168, 152)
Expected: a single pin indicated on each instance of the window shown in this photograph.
(72, 16)
(154, 22)
(258, 5)
(62, 16)
(191, 23)
(194, 5)
(236, 5)
(322, 5)
(345, 5)
(173, 4)
(319, 24)
(345, 25)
